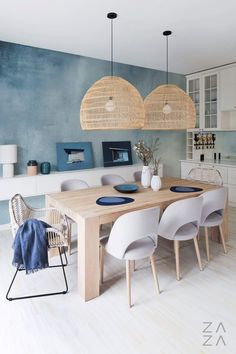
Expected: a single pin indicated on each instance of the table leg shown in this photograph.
(88, 258)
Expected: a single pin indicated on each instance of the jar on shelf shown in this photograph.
(45, 168)
(32, 168)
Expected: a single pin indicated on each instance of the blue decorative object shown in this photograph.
(74, 156)
(116, 153)
(113, 200)
(183, 189)
(45, 168)
(126, 188)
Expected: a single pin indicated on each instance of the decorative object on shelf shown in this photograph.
(112, 103)
(146, 154)
(74, 156)
(32, 168)
(204, 140)
(8, 156)
(116, 153)
(45, 168)
(168, 107)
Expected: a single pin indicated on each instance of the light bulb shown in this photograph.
(110, 105)
(167, 109)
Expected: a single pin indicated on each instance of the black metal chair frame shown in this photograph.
(62, 265)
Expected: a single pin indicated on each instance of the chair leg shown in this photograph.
(132, 266)
(39, 295)
(69, 237)
(102, 254)
(207, 243)
(197, 252)
(154, 274)
(222, 238)
(128, 282)
(176, 247)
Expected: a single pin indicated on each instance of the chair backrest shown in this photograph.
(178, 214)
(112, 179)
(73, 184)
(213, 201)
(208, 175)
(137, 176)
(131, 227)
(19, 212)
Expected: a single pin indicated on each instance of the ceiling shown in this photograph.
(203, 31)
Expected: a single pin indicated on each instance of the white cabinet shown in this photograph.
(203, 88)
(228, 89)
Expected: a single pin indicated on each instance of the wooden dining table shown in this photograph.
(80, 205)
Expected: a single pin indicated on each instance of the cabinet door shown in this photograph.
(194, 93)
(228, 89)
(210, 93)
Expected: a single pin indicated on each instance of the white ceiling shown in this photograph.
(204, 31)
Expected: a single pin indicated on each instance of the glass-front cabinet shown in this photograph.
(194, 93)
(203, 89)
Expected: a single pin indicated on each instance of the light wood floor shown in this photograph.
(171, 323)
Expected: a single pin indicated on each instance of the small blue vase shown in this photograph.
(45, 168)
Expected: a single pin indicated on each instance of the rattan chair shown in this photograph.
(207, 175)
(72, 185)
(57, 234)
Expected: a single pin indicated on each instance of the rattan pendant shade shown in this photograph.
(128, 112)
(168, 107)
(182, 115)
(112, 103)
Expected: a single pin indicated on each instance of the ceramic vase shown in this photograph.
(156, 183)
(146, 177)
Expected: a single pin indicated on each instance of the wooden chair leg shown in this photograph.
(132, 266)
(197, 253)
(69, 238)
(102, 254)
(176, 248)
(222, 238)
(128, 282)
(155, 274)
(207, 243)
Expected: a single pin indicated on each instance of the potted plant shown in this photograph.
(156, 180)
(146, 154)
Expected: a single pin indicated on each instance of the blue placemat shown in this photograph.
(185, 189)
(113, 200)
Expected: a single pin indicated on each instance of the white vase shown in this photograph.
(156, 183)
(146, 177)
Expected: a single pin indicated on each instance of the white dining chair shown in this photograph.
(205, 174)
(133, 237)
(214, 203)
(180, 221)
(137, 176)
(72, 185)
(111, 179)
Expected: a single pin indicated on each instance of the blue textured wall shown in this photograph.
(40, 95)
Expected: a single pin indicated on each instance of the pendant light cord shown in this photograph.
(112, 47)
(167, 67)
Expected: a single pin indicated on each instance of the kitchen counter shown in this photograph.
(223, 162)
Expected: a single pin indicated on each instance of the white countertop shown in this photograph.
(223, 162)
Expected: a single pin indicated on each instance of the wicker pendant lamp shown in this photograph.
(168, 107)
(112, 102)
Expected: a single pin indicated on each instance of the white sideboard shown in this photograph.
(42, 184)
(226, 168)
